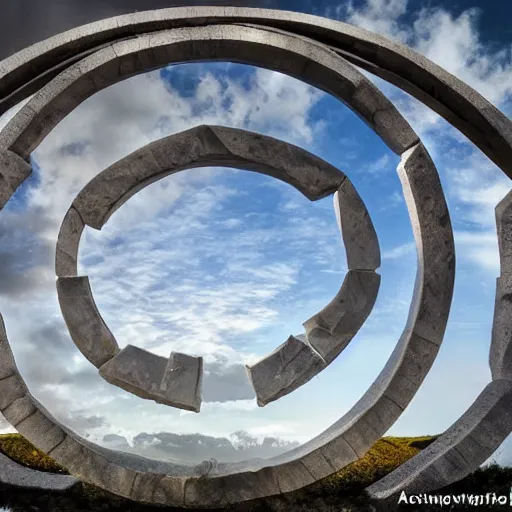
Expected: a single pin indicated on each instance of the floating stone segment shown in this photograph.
(86, 326)
(285, 369)
(332, 329)
(66, 254)
(175, 382)
(199, 147)
(465, 446)
(286, 53)
(182, 381)
(13, 172)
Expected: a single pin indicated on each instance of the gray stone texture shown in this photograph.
(359, 236)
(288, 367)
(458, 103)
(86, 67)
(13, 172)
(182, 381)
(198, 147)
(332, 329)
(175, 382)
(500, 355)
(279, 51)
(467, 444)
(432, 231)
(86, 326)
(66, 253)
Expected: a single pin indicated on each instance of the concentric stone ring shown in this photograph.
(177, 381)
(65, 70)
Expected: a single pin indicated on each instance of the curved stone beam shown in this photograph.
(291, 55)
(86, 327)
(500, 355)
(27, 71)
(359, 237)
(175, 382)
(13, 172)
(332, 329)
(199, 147)
(68, 241)
(12, 473)
(288, 367)
(462, 449)
(370, 418)
(476, 435)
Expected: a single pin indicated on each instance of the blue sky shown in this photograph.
(227, 264)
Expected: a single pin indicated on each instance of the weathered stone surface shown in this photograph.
(458, 103)
(503, 213)
(175, 382)
(359, 236)
(86, 326)
(432, 230)
(500, 356)
(66, 254)
(198, 147)
(12, 473)
(278, 51)
(331, 330)
(467, 444)
(19, 410)
(136, 370)
(45, 434)
(11, 389)
(285, 369)
(182, 381)
(13, 172)
(293, 55)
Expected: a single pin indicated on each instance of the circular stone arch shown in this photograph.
(351, 436)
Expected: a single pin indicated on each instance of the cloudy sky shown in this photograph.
(227, 264)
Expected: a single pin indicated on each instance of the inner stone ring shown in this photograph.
(177, 381)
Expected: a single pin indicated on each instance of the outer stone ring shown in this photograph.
(67, 69)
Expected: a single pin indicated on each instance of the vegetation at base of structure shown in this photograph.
(341, 492)
(17, 448)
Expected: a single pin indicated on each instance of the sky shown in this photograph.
(227, 264)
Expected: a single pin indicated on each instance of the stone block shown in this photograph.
(19, 410)
(68, 241)
(332, 329)
(503, 213)
(41, 431)
(182, 381)
(14, 170)
(175, 382)
(86, 326)
(285, 369)
(467, 444)
(136, 370)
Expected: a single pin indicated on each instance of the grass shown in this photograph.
(342, 491)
